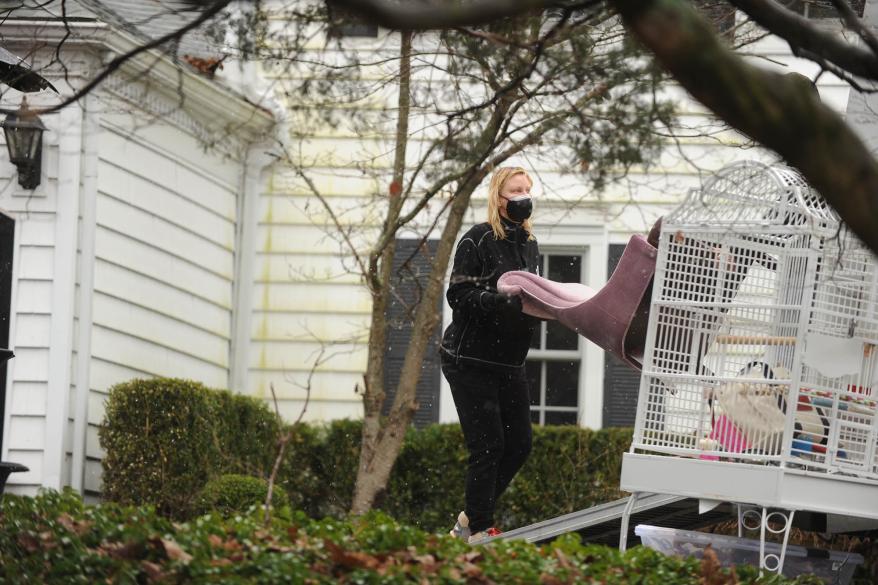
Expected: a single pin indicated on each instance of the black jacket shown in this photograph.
(486, 328)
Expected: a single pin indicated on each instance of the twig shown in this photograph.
(286, 437)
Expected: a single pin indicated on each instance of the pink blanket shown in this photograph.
(613, 317)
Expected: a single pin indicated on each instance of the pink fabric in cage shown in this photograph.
(727, 434)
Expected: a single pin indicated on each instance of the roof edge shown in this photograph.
(206, 98)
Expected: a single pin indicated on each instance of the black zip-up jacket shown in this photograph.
(486, 328)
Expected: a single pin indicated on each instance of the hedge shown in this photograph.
(55, 538)
(165, 438)
(232, 494)
(569, 469)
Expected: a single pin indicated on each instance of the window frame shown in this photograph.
(560, 355)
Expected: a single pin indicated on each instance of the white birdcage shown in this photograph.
(760, 376)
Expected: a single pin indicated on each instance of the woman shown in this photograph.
(484, 349)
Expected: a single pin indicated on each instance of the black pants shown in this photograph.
(494, 411)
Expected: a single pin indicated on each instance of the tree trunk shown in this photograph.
(380, 274)
(376, 460)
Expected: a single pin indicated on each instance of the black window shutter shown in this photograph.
(412, 263)
(7, 241)
(621, 383)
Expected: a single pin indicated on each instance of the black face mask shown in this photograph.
(519, 208)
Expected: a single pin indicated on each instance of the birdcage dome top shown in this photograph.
(754, 194)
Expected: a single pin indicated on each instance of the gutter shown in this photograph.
(210, 100)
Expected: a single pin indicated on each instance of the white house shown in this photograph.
(125, 258)
(164, 240)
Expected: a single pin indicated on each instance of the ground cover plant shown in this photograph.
(55, 538)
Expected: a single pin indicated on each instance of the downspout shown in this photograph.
(87, 227)
(242, 303)
(244, 77)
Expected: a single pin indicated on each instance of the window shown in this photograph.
(821, 8)
(554, 361)
(344, 24)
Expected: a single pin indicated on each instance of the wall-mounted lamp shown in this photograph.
(24, 139)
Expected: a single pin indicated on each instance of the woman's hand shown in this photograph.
(506, 303)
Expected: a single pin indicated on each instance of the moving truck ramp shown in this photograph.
(601, 523)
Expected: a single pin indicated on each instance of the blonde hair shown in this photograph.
(498, 179)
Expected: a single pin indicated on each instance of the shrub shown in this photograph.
(234, 494)
(246, 430)
(426, 486)
(164, 438)
(296, 475)
(54, 538)
(569, 469)
(334, 463)
(158, 437)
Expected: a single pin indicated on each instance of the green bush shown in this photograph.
(246, 429)
(234, 494)
(297, 474)
(165, 438)
(334, 463)
(54, 538)
(426, 486)
(569, 469)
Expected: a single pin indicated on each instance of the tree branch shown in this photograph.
(801, 34)
(779, 112)
(854, 23)
(432, 14)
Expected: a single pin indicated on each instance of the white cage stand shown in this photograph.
(760, 374)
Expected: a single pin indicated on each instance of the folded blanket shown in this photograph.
(541, 297)
(614, 317)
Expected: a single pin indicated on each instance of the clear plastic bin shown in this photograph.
(832, 566)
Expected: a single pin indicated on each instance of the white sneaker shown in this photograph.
(461, 528)
(478, 537)
(483, 535)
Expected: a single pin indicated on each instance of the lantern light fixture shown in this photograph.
(24, 140)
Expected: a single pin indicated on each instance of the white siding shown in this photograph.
(27, 400)
(125, 258)
(163, 266)
(159, 300)
(308, 303)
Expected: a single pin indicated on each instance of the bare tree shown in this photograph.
(493, 92)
